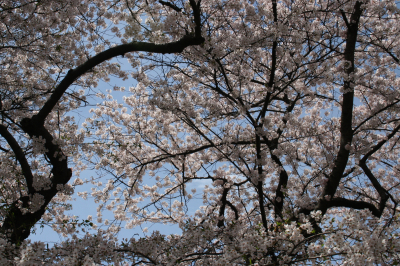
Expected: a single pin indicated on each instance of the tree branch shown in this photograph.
(20, 156)
(383, 193)
(260, 190)
(18, 223)
(222, 208)
(168, 4)
(353, 204)
(346, 131)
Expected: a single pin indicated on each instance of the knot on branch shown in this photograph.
(63, 174)
(30, 124)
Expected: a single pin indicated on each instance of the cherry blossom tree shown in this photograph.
(287, 111)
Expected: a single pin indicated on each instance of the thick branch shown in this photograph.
(346, 132)
(283, 176)
(260, 190)
(20, 156)
(353, 204)
(222, 208)
(197, 21)
(18, 223)
(234, 209)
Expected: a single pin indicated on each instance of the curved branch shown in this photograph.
(20, 156)
(354, 204)
(222, 208)
(18, 223)
(120, 50)
(234, 209)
